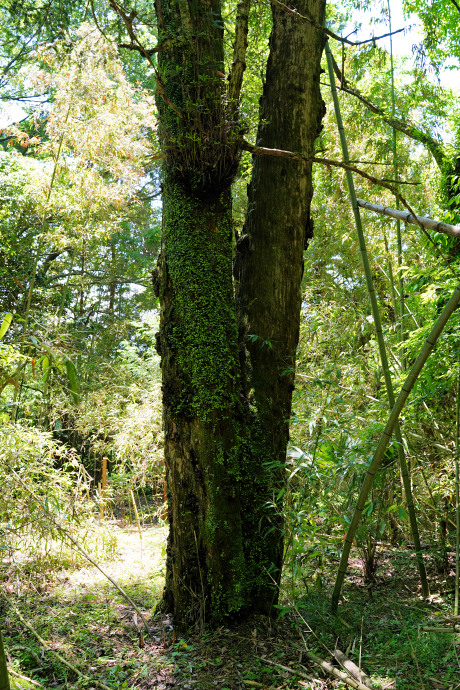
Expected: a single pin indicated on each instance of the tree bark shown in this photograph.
(226, 403)
(269, 261)
(4, 680)
(206, 571)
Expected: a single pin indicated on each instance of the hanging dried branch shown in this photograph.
(406, 217)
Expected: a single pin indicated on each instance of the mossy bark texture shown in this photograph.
(227, 403)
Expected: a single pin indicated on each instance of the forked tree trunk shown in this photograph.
(224, 445)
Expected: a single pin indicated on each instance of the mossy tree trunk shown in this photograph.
(226, 408)
(206, 570)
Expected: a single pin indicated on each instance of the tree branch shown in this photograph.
(235, 78)
(142, 51)
(51, 257)
(261, 151)
(387, 184)
(128, 22)
(100, 280)
(433, 145)
(327, 31)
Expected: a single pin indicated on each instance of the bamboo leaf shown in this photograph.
(6, 323)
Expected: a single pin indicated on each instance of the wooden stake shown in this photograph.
(101, 503)
(137, 517)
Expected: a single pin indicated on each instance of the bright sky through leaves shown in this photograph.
(373, 24)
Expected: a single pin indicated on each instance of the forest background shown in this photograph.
(80, 223)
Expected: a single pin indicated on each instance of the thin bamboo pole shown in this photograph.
(147, 505)
(77, 545)
(104, 484)
(457, 497)
(379, 333)
(137, 517)
(91, 681)
(4, 680)
(417, 367)
(101, 502)
(401, 330)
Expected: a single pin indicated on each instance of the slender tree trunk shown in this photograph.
(269, 261)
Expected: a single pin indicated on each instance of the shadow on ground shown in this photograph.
(84, 618)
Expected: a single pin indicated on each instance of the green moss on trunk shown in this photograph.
(226, 425)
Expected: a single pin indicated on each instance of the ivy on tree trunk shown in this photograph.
(228, 359)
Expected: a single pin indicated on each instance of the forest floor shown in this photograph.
(81, 616)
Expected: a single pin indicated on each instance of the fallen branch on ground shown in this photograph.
(325, 665)
(49, 649)
(14, 673)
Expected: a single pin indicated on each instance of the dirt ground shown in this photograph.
(83, 617)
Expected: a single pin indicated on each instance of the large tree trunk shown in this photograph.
(205, 568)
(269, 262)
(206, 573)
(223, 556)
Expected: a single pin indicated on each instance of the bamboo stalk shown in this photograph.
(402, 335)
(325, 665)
(417, 367)
(130, 508)
(137, 517)
(14, 673)
(101, 503)
(103, 484)
(4, 680)
(139, 502)
(427, 223)
(457, 496)
(65, 533)
(379, 333)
